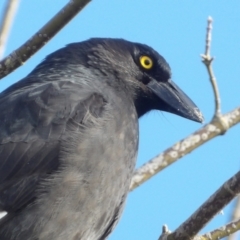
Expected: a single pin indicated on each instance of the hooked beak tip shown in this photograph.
(198, 117)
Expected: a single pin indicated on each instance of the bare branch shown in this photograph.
(189, 229)
(207, 60)
(6, 23)
(216, 234)
(208, 36)
(223, 231)
(22, 54)
(185, 146)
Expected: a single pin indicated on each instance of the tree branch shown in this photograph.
(22, 54)
(189, 229)
(223, 231)
(185, 146)
(6, 23)
(207, 60)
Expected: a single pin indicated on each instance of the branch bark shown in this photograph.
(189, 229)
(6, 23)
(23, 53)
(185, 146)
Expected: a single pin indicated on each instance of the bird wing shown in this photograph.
(33, 120)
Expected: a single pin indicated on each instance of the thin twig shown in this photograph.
(22, 54)
(189, 229)
(185, 146)
(216, 234)
(208, 37)
(6, 23)
(223, 231)
(207, 60)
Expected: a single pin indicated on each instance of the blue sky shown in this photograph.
(176, 29)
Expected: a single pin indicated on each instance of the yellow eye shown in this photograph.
(146, 62)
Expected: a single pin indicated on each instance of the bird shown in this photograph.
(69, 137)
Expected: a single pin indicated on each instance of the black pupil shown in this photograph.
(147, 62)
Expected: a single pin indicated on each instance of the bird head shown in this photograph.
(135, 68)
(144, 73)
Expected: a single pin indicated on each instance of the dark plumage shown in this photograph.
(69, 137)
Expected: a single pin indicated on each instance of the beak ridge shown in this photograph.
(176, 101)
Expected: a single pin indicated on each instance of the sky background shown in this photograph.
(176, 29)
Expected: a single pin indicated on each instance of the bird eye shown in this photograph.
(146, 62)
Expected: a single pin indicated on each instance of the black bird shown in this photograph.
(69, 137)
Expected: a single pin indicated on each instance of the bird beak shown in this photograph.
(176, 101)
